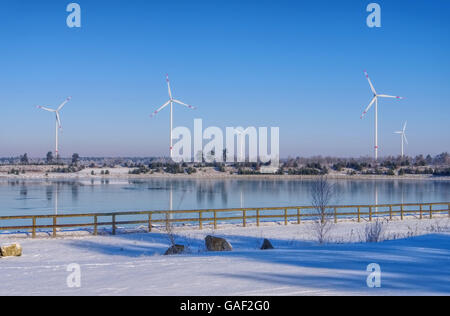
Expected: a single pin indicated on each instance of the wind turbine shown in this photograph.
(403, 136)
(58, 121)
(375, 100)
(171, 102)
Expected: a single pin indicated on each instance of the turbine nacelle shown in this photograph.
(56, 111)
(58, 119)
(376, 95)
(171, 102)
(402, 134)
(375, 100)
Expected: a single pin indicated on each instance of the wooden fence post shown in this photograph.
(405, 210)
(95, 225)
(114, 224)
(33, 234)
(335, 215)
(54, 226)
(149, 222)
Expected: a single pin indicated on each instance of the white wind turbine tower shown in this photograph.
(58, 121)
(171, 102)
(403, 137)
(375, 100)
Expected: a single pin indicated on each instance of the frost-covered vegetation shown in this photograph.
(438, 166)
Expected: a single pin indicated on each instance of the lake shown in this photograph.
(32, 197)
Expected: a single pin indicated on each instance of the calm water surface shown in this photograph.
(29, 197)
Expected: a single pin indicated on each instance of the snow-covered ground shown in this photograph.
(133, 264)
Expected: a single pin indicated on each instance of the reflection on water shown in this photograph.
(18, 197)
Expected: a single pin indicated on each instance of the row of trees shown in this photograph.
(307, 165)
(356, 163)
(49, 159)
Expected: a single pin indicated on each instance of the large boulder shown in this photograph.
(14, 250)
(174, 250)
(266, 245)
(217, 244)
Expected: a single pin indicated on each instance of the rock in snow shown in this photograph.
(217, 244)
(14, 250)
(266, 245)
(174, 250)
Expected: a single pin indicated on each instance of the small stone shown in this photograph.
(174, 250)
(266, 245)
(14, 250)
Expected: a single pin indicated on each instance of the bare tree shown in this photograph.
(322, 193)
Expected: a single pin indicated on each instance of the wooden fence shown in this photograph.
(214, 217)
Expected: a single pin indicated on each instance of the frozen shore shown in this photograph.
(417, 262)
(42, 173)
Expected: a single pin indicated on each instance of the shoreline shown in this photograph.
(209, 176)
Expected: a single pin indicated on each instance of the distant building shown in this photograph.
(269, 169)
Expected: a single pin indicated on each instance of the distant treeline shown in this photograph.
(441, 159)
(438, 165)
(397, 161)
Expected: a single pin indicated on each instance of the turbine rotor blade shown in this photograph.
(404, 126)
(58, 119)
(184, 104)
(64, 103)
(369, 106)
(390, 96)
(370, 82)
(168, 86)
(406, 140)
(160, 109)
(45, 109)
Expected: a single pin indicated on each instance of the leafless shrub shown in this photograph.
(435, 227)
(438, 227)
(374, 231)
(321, 195)
(169, 229)
(189, 242)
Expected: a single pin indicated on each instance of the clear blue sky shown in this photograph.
(293, 64)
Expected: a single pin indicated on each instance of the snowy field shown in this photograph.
(417, 262)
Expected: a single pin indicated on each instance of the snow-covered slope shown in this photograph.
(129, 264)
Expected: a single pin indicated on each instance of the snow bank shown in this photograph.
(133, 264)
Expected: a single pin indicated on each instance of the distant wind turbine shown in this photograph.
(171, 102)
(58, 121)
(375, 100)
(403, 136)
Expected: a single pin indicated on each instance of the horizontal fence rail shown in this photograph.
(214, 217)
